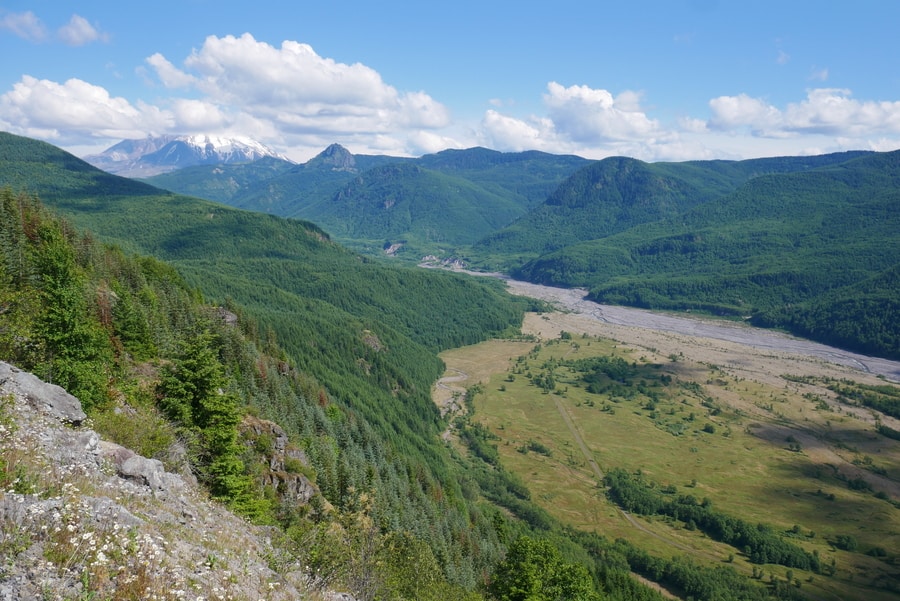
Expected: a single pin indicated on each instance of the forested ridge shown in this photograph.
(147, 348)
(813, 250)
(805, 243)
(424, 205)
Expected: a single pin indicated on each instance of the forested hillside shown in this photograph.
(336, 349)
(172, 378)
(430, 204)
(791, 246)
(618, 193)
(363, 337)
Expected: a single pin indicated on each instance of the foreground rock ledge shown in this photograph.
(86, 516)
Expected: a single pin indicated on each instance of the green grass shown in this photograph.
(747, 466)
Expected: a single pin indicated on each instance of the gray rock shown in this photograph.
(148, 472)
(47, 398)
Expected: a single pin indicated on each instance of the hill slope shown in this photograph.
(365, 332)
(436, 202)
(615, 194)
(776, 242)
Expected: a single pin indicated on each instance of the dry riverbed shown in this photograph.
(724, 341)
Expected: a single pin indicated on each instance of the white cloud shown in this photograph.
(419, 110)
(590, 122)
(169, 74)
(76, 110)
(24, 25)
(583, 114)
(510, 134)
(741, 111)
(692, 125)
(78, 32)
(299, 93)
(198, 116)
(825, 111)
(427, 142)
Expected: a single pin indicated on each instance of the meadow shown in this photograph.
(757, 436)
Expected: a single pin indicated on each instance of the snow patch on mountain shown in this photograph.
(160, 154)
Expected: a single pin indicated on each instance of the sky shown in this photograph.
(657, 80)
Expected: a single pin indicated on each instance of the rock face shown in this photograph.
(84, 518)
(283, 460)
(43, 396)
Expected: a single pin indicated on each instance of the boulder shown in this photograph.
(137, 468)
(47, 398)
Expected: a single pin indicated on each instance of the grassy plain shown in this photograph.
(715, 420)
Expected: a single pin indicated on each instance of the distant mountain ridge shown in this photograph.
(160, 154)
(425, 205)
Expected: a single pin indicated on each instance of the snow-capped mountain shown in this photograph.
(160, 154)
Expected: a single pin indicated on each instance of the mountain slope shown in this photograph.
(271, 185)
(408, 202)
(154, 155)
(189, 386)
(446, 200)
(777, 241)
(303, 286)
(615, 194)
(220, 182)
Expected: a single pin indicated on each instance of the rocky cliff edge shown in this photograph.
(82, 518)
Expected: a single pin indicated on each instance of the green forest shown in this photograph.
(805, 244)
(197, 317)
(813, 251)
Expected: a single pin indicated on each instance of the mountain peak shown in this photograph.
(159, 154)
(338, 157)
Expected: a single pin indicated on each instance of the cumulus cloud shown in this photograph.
(298, 92)
(198, 115)
(741, 111)
(76, 109)
(511, 134)
(428, 142)
(24, 25)
(78, 32)
(582, 120)
(584, 114)
(169, 74)
(825, 111)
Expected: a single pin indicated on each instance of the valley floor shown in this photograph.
(765, 378)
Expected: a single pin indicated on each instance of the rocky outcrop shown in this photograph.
(146, 472)
(45, 397)
(285, 463)
(84, 518)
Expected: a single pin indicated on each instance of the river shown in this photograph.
(573, 300)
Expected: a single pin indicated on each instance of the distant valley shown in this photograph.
(312, 325)
(806, 244)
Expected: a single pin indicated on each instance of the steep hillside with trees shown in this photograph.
(778, 246)
(426, 205)
(618, 193)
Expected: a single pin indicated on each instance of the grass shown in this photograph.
(760, 448)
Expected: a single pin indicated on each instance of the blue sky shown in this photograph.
(655, 80)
